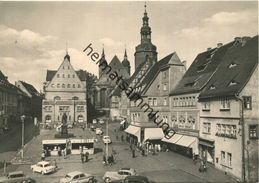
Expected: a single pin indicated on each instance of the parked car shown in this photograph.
(98, 131)
(101, 121)
(15, 177)
(133, 179)
(107, 139)
(119, 175)
(43, 167)
(77, 177)
(94, 121)
(92, 127)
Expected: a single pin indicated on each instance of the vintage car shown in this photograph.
(43, 167)
(119, 175)
(133, 179)
(77, 177)
(98, 131)
(15, 177)
(107, 139)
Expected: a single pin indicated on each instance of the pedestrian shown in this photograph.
(112, 159)
(59, 151)
(133, 153)
(143, 152)
(104, 160)
(109, 160)
(131, 147)
(122, 137)
(117, 137)
(55, 164)
(86, 156)
(43, 156)
(82, 157)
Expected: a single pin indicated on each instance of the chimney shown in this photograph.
(184, 63)
(244, 40)
(208, 49)
(237, 39)
(219, 45)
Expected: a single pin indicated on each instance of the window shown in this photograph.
(225, 104)
(206, 106)
(68, 76)
(57, 75)
(164, 74)
(68, 85)
(229, 159)
(206, 127)
(232, 65)
(63, 75)
(79, 86)
(165, 87)
(80, 108)
(52, 85)
(232, 83)
(165, 119)
(226, 130)
(57, 98)
(223, 157)
(165, 101)
(253, 131)
(73, 76)
(63, 86)
(212, 87)
(58, 85)
(63, 67)
(154, 101)
(150, 101)
(247, 102)
(68, 67)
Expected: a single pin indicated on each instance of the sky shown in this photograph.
(33, 35)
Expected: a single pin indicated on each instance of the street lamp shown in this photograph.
(22, 118)
(107, 135)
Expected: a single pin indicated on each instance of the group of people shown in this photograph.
(108, 160)
(84, 156)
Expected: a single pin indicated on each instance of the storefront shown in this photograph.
(206, 148)
(183, 144)
(134, 133)
(52, 147)
(82, 145)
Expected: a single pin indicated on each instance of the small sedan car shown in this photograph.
(14, 177)
(101, 121)
(107, 140)
(43, 167)
(98, 131)
(119, 175)
(77, 177)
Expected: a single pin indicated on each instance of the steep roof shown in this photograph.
(235, 69)
(81, 74)
(200, 71)
(155, 69)
(30, 88)
(117, 90)
(5, 85)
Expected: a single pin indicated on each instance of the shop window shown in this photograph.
(247, 102)
(223, 157)
(253, 131)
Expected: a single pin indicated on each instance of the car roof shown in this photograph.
(16, 172)
(74, 173)
(43, 162)
(106, 136)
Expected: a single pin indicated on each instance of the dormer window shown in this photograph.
(232, 65)
(202, 67)
(212, 87)
(189, 84)
(232, 83)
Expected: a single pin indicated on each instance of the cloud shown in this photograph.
(110, 42)
(24, 39)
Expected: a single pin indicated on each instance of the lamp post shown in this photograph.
(22, 118)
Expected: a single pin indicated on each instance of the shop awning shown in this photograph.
(186, 141)
(56, 141)
(153, 134)
(133, 130)
(122, 122)
(173, 139)
(206, 143)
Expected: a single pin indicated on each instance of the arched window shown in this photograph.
(75, 98)
(57, 98)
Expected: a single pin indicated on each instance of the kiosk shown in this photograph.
(82, 145)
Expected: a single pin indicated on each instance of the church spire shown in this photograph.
(103, 55)
(125, 54)
(145, 29)
(67, 55)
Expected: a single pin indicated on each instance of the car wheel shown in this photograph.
(107, 180)
(91, 181)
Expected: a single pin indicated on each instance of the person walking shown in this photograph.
(55, 164)
(43, 156)
(133, 153)
(86, 156)
(82, 156)
(104, 160)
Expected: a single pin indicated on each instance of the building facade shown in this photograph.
(8, 103)
(65, 93)
(229, 113)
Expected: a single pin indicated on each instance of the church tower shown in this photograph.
(126, 62)
(145, 48)
(102, 59)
